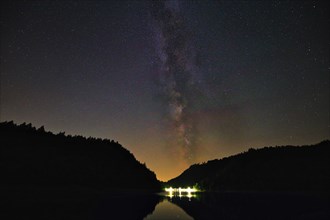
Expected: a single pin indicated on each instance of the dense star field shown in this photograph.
(175, 82)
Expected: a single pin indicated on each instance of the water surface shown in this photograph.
(167, 210)
(71, 204)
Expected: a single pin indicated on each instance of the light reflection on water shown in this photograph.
(196, 205)
(188, 195)
(168, 210)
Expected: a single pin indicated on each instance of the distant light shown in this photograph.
(169, 189)
(186, 192)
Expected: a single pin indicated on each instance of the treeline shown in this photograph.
(31, 156)
(286, 168)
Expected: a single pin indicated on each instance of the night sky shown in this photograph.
(174, 82)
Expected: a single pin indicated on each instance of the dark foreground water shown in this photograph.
(83, 204)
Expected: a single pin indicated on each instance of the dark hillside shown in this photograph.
(34, 157)
(286, 168)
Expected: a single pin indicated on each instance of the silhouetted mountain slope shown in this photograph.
(284, 168)
(32, 156)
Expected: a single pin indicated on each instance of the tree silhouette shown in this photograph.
(31, 156)
(286, 168)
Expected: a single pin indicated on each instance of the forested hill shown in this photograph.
(286, 168)
(31, 156)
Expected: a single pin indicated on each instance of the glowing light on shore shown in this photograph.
(186, 192)
(188, 189)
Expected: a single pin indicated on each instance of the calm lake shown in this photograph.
(243, 206)
(69, 205)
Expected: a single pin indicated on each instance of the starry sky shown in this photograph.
(175, 82)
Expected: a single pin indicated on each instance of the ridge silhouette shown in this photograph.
(286, 168)
(34, 157)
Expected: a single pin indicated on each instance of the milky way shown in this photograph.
(175, 75)
(230, 74)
